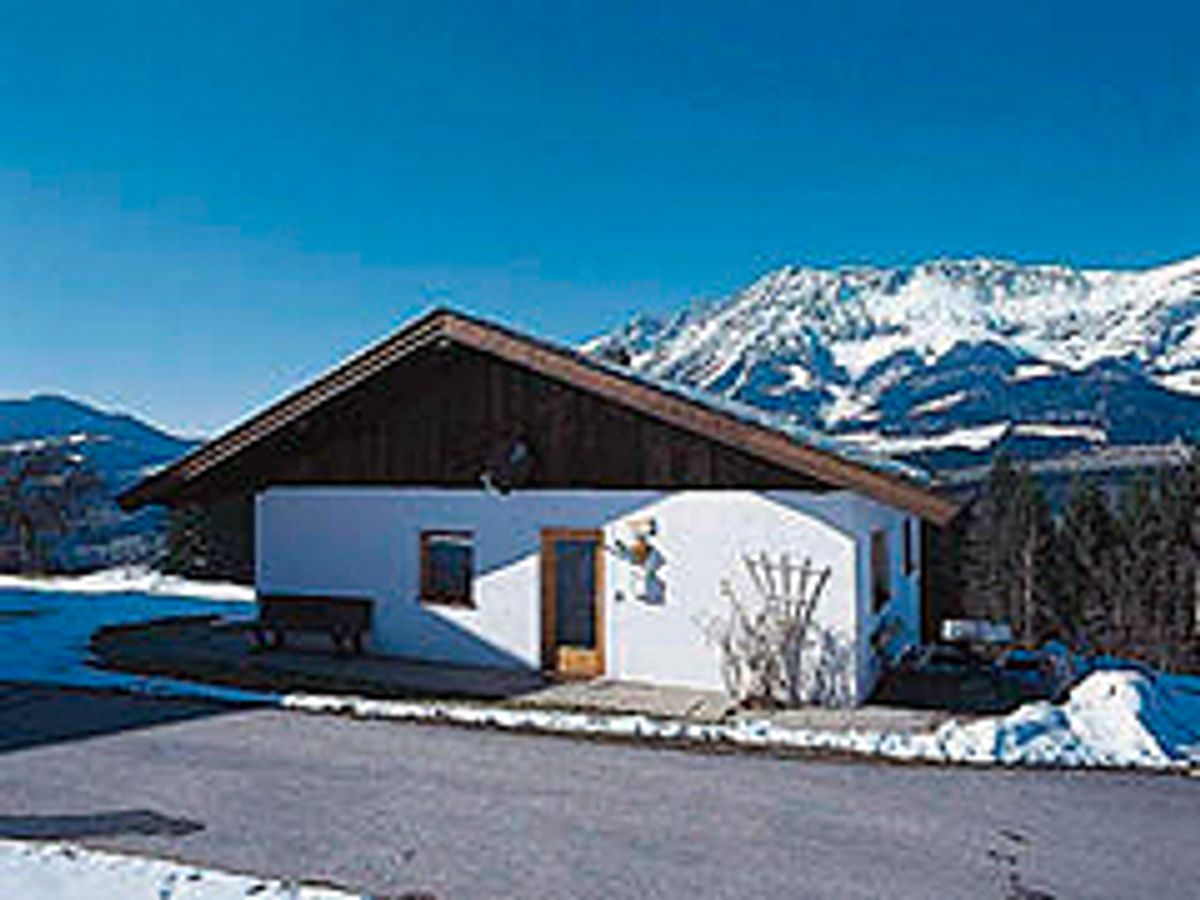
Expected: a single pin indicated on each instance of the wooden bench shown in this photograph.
(344, 619)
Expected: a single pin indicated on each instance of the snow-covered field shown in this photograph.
(64, 872)
(1121, 715)
(46, 623)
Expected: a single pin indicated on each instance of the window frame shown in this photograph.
(882, 589)
(427, 594)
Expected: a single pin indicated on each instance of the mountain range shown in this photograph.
(945, 362)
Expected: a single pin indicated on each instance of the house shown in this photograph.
(509, 502)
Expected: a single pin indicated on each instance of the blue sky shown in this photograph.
(203, 204)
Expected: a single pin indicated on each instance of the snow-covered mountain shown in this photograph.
(945, 361)
(118, 447)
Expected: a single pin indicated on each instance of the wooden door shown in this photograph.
(573, 602)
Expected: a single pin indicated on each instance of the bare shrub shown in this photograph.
(772, 650)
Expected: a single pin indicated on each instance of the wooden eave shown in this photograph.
(446, 327)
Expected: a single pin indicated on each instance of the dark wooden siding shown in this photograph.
(434, 418)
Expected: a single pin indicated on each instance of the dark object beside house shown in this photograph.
(344, 619)
(947, 676)
(1045, 673)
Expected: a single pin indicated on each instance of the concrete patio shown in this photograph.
(204, 649)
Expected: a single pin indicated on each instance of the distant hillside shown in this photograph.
(119, 448)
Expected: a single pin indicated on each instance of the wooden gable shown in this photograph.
(432, 404)
(438, 418)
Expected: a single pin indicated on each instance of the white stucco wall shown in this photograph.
(905, 605)
(366, 541)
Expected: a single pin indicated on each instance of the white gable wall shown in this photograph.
(703, 537)
(366, 541)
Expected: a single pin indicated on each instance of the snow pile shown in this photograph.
(66, 872)
(1114, 718)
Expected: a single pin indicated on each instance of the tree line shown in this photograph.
(1115, 570)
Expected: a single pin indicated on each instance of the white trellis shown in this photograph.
(771, 648)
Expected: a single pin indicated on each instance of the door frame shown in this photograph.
(576, 662)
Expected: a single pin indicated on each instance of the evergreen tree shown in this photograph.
(1008, 554)
(1175, 616)
(1086, 538)
(1032, 608)
(1139, 577)
(988, 545)
(1119, 577)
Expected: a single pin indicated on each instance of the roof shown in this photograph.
(746, 428)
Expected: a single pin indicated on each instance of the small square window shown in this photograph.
(447, 567)
(881, 570)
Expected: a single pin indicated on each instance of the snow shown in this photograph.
(1030, 371)
(131, 579)
(1120, 715)
(799, 378)
(46, 624)
(847, 405)
(975, 438)
(978, 437)
(34, 444)
(1114, 718)
(56, 871)
(1061, 431)
(1185, 382)
(939, 404)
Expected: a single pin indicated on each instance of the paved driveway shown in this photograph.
(395, 808)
